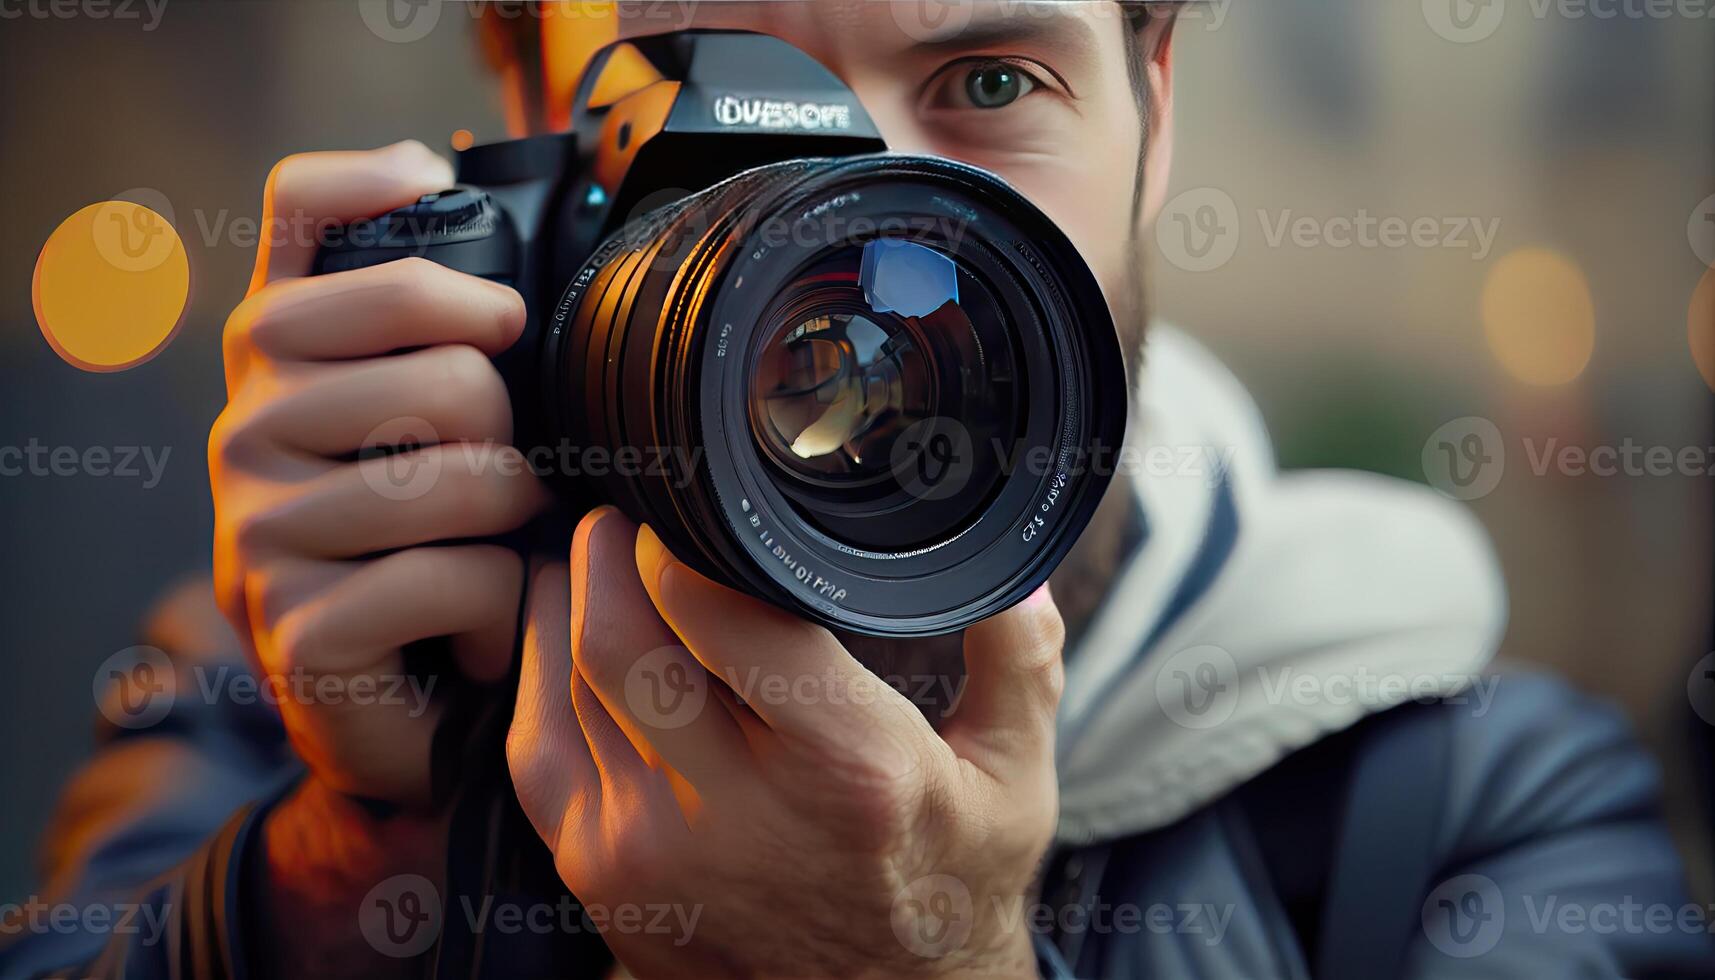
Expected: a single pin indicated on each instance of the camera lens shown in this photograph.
(869, 389)
(859, 358)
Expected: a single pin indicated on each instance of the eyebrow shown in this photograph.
(1061, 30)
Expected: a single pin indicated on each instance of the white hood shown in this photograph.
(1262, 612)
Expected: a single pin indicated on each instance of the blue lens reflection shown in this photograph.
(906, 278)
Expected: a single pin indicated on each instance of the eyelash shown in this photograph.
(956, 72)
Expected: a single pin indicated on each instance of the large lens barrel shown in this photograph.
(876, 390)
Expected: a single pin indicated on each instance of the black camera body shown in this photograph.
(871, 388)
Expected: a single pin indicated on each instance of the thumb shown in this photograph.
(1013, 677)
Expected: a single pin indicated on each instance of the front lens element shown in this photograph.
(870, 351)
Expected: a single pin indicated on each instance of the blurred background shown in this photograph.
(1558, 168)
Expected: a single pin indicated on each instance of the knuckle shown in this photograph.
(251, 532)
(258, 324)
(284, 181)
(466, 382)
(1041, 658)
(228, 442)
(299, 641)
(636, 853)
(415, 279)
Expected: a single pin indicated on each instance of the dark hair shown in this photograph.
(1138, 15)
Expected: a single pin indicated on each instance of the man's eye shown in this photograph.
(998, 85)
(988, 85)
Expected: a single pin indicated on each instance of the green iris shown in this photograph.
(994, 86)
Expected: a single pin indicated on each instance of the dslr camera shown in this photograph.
(864, 386)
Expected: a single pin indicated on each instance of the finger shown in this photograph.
(819, 690)
(651, 686)
(553, 772)
(367, 312)
(380, 746)
(333, 410)
(307, 192)
(360, 622)
(1013, 678)
(438, 493)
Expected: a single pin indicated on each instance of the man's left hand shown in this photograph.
(821, 827)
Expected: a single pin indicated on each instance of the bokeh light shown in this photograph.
(1538, 317)
(1700, 327)
(110, 286)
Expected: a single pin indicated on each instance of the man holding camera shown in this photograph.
(1143, 807)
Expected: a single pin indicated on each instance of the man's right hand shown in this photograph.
(326, 564)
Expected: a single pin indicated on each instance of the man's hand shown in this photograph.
(323, 559)
(821, 829)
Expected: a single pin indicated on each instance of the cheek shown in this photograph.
(1091, 201)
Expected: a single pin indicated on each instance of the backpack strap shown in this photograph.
(1383, 859)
